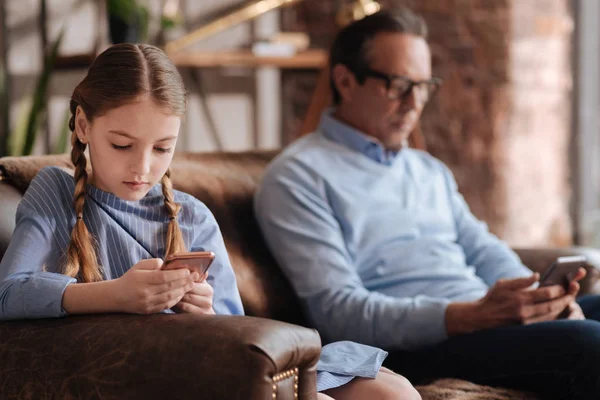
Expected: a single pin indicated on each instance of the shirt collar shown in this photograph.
(341, 133)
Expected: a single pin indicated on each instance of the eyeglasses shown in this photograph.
(399, 87)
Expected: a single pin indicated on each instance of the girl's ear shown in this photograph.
(82, 126)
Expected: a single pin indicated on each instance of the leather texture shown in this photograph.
(154, 357)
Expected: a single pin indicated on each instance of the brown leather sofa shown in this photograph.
(265, 356)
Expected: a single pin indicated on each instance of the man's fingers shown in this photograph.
(573, 288)
(518, 283)
(581, 273)
(575, 312)
(540, 318)
(544, 293)
(546, 311)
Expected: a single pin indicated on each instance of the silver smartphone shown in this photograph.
(562, 271)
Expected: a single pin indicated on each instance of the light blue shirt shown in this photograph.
(375, 243)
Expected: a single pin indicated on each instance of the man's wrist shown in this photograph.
(461, 318)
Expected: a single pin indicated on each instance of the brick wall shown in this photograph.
(502, 119)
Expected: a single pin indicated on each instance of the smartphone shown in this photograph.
(562, 271)
(196, 261)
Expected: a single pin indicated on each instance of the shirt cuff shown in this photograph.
(429, 323)
(43, 297)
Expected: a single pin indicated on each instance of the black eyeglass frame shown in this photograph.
(433, 84)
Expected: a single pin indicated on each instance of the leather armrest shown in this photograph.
(539, 259)
(178, 356)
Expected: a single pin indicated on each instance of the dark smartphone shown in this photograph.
(196, 261)
(562, 271)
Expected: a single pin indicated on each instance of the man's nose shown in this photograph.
(413, 100)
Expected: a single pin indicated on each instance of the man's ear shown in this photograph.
(82, 125)
(345, 81)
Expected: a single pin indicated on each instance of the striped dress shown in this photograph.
(31, 285)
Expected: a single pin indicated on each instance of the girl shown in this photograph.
(95, 243)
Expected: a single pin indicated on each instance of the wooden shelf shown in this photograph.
(75, 61)
(309, 59)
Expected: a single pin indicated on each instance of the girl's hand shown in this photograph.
(199, 300)
(146, 289)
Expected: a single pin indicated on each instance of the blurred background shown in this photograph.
(516, 119)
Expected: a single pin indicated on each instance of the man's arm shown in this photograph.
(307, 241)
(491, 257)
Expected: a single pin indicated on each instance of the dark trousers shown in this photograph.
(557, 359)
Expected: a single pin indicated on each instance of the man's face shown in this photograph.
(367, 106)
(131, 147)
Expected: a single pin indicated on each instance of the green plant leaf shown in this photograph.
(144, 18)
(170, 22)
(38, 107)
(26, 109)
(125, 10)
(17, 137)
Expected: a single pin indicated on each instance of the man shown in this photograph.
(382, 249)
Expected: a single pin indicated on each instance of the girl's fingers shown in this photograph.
(190, 308)
(198, 301)
(173, 285)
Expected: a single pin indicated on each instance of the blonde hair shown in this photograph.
(118, 76)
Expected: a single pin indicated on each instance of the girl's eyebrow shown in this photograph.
(127, 135)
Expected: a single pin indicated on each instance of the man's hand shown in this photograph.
(574, 312)
(511, 302)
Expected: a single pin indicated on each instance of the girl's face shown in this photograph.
(130, 147)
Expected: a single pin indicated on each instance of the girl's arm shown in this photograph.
(226, 297)
(143, 289)
(26, 289)
(90, 298)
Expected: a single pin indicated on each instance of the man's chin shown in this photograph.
(397, 142)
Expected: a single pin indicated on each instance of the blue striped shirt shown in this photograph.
(375, 243)
(31, 283)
